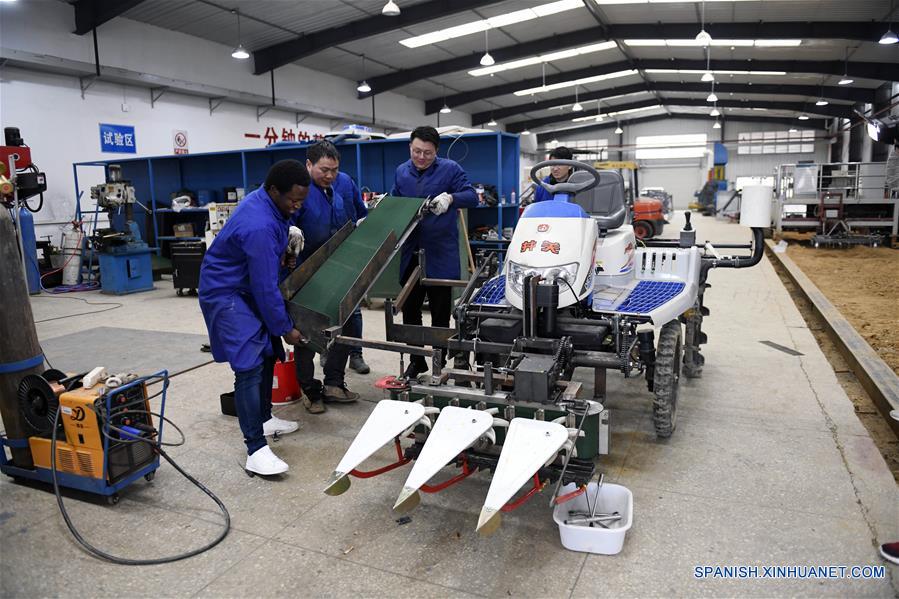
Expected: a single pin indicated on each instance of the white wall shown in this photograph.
(62, 128)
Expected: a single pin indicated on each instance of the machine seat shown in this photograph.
(605, 202)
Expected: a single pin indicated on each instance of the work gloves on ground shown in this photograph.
(441, 203)
(295, 241)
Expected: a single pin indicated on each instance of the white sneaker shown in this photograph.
(265, 462)
(276, 426)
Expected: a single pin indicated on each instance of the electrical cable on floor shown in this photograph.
(128, 561)
(115, 306)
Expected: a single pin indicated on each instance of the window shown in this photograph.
(691, 145)
(776, 142)
(584, 149)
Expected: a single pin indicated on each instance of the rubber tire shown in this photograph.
(180, 292)
(149, 476)
(112, 499)
(643, 229)
(666, 382)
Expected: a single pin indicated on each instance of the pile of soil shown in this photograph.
(863, 283)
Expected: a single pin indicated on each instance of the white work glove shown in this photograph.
(295, 241)
(441, 203)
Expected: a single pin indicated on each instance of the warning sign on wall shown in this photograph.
(179, 142)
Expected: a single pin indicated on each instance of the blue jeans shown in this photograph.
(354, 324)
(253, 400)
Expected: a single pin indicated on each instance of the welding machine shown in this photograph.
(104, 436)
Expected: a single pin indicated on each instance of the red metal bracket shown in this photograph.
(514, 505)
(466, 472)
(569, 496)
(400, 461)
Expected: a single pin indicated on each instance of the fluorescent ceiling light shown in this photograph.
(595, 117)
(573, 82)
(604, 98)
(692, 43)
(391, 9)
(240, 53)
(503, 20)
(803, 117)
(549, 57)
(716, 72)
(363, 87)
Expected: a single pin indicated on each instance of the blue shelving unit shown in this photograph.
(489, 158)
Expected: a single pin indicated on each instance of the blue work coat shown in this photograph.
(541, 195)
(352, 197)
(239, 295)
(437, 235)
(319, 218)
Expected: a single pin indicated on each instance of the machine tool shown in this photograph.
(574, 291)
(125, 264)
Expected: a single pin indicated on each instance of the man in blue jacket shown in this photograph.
(557, 174)
(352, 199)
(243, 308)
(323, 214)
(443, 180)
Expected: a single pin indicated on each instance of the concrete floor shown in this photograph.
(769, 466)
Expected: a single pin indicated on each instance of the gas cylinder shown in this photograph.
(20, 352)
(29, 247)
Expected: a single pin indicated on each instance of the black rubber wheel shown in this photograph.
(180, 292)
(112, 499)
(667, 379)
(643, 229)
(149, 476)
(192, 292)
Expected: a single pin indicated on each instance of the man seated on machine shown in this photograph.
(323, 214)
(557, 173)
(425, 175)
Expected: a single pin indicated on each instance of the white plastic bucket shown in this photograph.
(604, 541)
